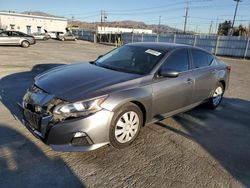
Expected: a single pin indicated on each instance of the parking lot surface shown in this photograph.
(199, 148)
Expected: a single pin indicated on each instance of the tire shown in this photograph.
(216, 98)
(125, 125)
(25, 44)
(62, 39)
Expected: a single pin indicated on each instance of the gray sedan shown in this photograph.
(16, 38)
(84, 106)
(67, 36)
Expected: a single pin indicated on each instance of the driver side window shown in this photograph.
(177, 61)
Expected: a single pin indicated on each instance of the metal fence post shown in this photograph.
(142, 37)
(195, 40)
(132, 38)
(246, 50)
(217, 45)
(174, 38)
(95, 39)
(157, 38)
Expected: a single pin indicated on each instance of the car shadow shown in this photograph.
(224, 133)
(23, 164)
(14, 86)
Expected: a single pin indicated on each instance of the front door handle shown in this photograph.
(189, 81)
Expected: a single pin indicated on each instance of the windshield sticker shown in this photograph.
(153, 52)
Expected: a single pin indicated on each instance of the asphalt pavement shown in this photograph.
(199, 148)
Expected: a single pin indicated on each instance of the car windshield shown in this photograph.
(131, 59)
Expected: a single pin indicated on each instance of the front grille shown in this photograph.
(33, 119)
(80, 141)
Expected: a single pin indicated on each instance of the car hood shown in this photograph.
(82, 80)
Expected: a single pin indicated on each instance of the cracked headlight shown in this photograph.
(81, 108)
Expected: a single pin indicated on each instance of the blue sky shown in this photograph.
(201, 12)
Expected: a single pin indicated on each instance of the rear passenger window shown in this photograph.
(177, 61)
(210, 58)
(15, 34)
(201, 59)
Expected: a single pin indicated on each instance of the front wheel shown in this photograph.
(125, 126)
(217, 96)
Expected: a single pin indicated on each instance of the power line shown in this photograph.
(158, 7)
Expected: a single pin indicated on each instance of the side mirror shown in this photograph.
(169, 73)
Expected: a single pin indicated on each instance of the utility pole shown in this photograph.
(235, 12)
(186, 16)
(159, 25)
(196, 29)
(104, 17)
(249, 29)
(216, 26)
(101, 17)
(210, 28)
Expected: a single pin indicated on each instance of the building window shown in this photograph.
(18, 27)
(28, 29)
(39, 29)
(12, 26)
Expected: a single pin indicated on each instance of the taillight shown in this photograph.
(229, 68)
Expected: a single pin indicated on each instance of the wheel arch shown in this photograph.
(223, 84)
(24, 40)
(142, 108)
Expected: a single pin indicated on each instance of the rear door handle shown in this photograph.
(189, 81)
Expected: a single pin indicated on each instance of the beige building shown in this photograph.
(28, 23)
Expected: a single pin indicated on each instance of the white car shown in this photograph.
(55, 34)
(40, 36)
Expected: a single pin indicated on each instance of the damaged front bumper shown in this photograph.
(77, 134)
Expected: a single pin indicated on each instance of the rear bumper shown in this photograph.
(83, 134)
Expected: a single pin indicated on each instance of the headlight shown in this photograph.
(81, 108)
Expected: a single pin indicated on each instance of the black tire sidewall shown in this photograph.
(25, 46)
(117, 114)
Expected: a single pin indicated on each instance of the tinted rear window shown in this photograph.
(201, 58)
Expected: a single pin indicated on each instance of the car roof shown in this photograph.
(163, 46)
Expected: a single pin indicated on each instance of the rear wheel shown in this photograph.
(25, 44)
(217, 96)
(125, 125)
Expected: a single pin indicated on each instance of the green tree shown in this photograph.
(240, 31)
(224, 28)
